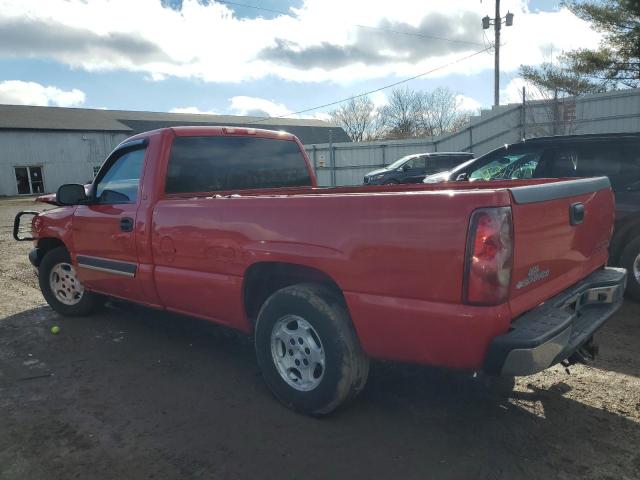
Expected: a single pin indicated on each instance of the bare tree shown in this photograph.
(412, 114)
(439, 112)
(549, 112)
(356, 117)
(399, 118)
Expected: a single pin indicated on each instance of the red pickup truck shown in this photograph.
(227, 224)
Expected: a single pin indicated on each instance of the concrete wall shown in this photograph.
(65, 156)
(347, 163)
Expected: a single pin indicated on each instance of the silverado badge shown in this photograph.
(533, 276)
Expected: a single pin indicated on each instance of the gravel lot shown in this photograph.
(137, 393)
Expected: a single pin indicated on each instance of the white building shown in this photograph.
(43, 147)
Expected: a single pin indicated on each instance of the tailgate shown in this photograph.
(561, 232)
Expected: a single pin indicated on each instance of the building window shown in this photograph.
(29, 180)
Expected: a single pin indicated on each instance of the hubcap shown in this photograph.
(636, 268)
(65, 284)
(297, 353)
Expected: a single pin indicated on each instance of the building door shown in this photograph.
(29, 180)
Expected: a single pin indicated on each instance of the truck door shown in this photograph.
(104, 230)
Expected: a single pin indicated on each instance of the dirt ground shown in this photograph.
(136, 393)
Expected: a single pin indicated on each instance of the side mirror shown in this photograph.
(71, 194)
(462, 177)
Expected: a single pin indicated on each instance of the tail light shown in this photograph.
(489, 257)
(238, 131)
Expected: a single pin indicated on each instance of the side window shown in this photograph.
(439, 164)
(621, 163)
(508, 166)
(416, 163)
(120, 183)
(208, 164)
(563, 164)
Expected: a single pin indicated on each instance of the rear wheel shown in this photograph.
(61, 287)
(308, 350)
(630, 259)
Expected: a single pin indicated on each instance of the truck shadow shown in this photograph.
(132, 392)
(620, 341)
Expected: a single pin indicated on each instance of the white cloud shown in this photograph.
(324, 116)
(208, 42)
(256, 106)
(468, 103)
(17, 92)
(195, 110)
(379, 99)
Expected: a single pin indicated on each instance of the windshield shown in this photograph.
(501, 165)
(398, 163)
(449, 174)
(507, 167)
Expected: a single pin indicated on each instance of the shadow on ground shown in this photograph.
(133, 393)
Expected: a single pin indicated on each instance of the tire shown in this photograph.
(315, 389)
(56, 268)
(630, 259)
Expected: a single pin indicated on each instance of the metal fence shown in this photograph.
(347, 163)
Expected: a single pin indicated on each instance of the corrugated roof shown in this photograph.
(85, 119)
(56, 118)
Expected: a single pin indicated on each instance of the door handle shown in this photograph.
(576, 213)
(126, 224)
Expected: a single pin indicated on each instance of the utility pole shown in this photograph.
(497, 26)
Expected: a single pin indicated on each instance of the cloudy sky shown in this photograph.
(285, 56)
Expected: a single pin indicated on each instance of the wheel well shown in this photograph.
(48, 244)
(622, 235)
(263, 279)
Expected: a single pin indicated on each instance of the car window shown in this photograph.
(508, 166)
(416, 163)
(438, 164)
(208, 164)
(620, 163)
(398, 163)
(121, 181)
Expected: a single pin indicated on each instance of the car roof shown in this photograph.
(585, 137)
(439, 154)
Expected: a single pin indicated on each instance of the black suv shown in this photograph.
(615, 155)
(413, 168)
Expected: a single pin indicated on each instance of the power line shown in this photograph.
(453, 62)
(380, 29)
(280, 12)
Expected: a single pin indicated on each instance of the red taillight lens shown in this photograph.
(489, 256)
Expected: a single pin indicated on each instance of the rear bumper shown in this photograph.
(553, 331)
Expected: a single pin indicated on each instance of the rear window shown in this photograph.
(208, 164)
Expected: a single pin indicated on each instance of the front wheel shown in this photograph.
(308, 350)
(630, 259)
(61, 287)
